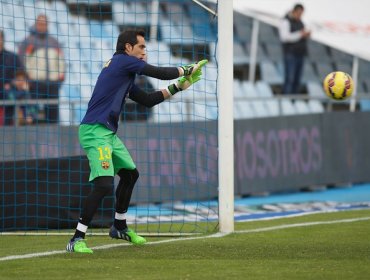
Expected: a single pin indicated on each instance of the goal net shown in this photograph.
(44, 172)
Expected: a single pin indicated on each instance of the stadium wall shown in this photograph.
(45, 179)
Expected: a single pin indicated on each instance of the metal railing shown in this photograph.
(73, 105)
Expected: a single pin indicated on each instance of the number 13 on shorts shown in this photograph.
(104, 153)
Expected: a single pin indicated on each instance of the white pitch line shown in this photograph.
(303, 225)
(216, 235)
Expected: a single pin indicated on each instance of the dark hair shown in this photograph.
(21, 72)
(2, 33)
(128, 37)
(298, 7)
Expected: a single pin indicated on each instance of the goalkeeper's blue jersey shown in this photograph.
(111, 89)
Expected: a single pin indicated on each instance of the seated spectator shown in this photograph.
(18, 90)
(44, 61)
(9, 64)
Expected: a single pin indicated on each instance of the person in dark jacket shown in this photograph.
(44, 61)
(293, 36)
(9, 65)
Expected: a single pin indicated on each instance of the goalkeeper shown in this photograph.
(106, 153)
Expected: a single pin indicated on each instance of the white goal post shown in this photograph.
(225, 121)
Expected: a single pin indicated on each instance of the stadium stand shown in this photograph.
(240, 54)
(287, 107)
(302, 107)
(318, 52)
(315, 89)
(270, 73)
(88, 42)
(316, 106)
(274, 52)
(309, 73)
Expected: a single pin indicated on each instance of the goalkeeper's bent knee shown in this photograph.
(130, 175)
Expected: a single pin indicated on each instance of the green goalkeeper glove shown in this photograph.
(192, 68)
(185, 82)
(188, 69)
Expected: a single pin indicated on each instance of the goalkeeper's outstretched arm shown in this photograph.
(170, 73)
(151, 99)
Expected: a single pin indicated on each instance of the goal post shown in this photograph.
(183, 148)
(225, 118)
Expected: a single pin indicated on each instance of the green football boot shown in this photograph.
(128, 235)
(79, 246)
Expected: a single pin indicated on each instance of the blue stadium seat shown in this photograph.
(130, 13)
(96, 29)
(270, 73)
(315, 89)
(170, 32)
(171, 111)
(243, 110)
(264, 89)
(273, 107)
(249, 89)
(237, 89)
(271, 103)
(240, 55)
(68, 91)
(302, 107)
(201, 22)
(316, 106)
(287, 107)
(309, 73)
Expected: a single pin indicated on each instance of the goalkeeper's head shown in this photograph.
(132, 42)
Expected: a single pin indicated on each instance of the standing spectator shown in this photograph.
(44, 62)
(9, 64)
(19, 89)
(293, 36)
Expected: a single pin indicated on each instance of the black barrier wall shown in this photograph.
(43, 185)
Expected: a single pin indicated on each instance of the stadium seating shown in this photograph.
(309, 73)
(270, 73)
(242, 28)
(315, 89)
(315, 106)
(324, 68)
(318, 52)
(287, 107)
(274, 52)
(240, 55)
(264, 89)
(88, 43)
(302, 107)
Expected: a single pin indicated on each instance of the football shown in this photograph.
(338, 85)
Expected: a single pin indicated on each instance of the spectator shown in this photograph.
(293, 36)
(44, 62)
(19, 89)
(9, 64)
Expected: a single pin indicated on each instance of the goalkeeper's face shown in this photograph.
(138, 50)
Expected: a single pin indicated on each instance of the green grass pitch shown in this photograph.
(318, 246)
